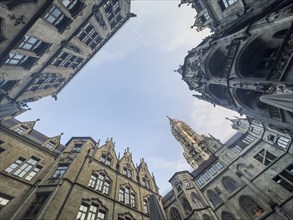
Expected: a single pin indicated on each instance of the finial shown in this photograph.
(61, 133)
(111, 138)
(29, 109)
(98, 142)
(38, 119)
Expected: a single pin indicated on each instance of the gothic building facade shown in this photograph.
(248, 70)
(42, 179)
(248, 177)
(44, 44)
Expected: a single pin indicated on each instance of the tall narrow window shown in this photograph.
(186, 205)
(218, 165)
(285, 178)
(146, 182)
(250, 206)
(174, 214)
(91, 212)
(127, 171)
(213, 197)
(265, 157)
(145, 206)
(36, 206)
(127, 196)
(229, 184)
(59, 172)
(196, 200)
(200, 181)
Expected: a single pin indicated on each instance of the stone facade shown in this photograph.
(44, 44)
(249, 71)
(249, 177)
(43, 179)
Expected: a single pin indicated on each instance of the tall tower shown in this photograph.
(197, 148)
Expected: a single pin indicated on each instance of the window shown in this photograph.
(185, 182)
(29, 43)
(59, 172)
(54, 16)
(178, 186)
(250, 206)
(145, 206)
(227, 216)
(283, 142)
(127, 196)
(218, 165)
(89, 36)
(248, 139)
(69, 3)
(76, 148)
(226, 3)
(174, 214)
(205, 17)
(20, 129)
(4, 200)
(27, 170)
(113, 13)
(90, 212)
(146, 182)
(66, 60)
(255, 130)
(237, 148)
(36, 206)
(196, 200)
(15, 59)
(106, 159)
(265, 157)
(200, 181)
(127, 172)
(50, 145)
(100, 183)
(241, 124)
(213, 197)
(186, 205)
(206, 217)
(45, 83)
(206, 176)
(285, 178)
(213, 171)
(229, 184)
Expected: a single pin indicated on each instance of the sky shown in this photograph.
(129, 87)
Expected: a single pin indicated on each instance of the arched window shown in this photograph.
(196, 200)
(250, 206)
(227, 216)
(229, 184)
(213, 197)
(174, 214)
(186, 205)
(206, 217)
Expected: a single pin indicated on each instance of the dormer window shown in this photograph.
(127, 172)
(146, 182)
(21, 129)
(106, 159)
(76, 148)
(50, 145)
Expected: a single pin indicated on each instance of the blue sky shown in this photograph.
(129, 87)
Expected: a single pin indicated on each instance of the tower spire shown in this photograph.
(197, 148)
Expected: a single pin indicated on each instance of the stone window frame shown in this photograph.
(101, 182)
(196, 200)
(36, 206)
(76, 148)
(21, 129)
(45, 83)
(127, 196)
(66, 60)
(200, 181)
(229, 184)
(174, 214)
(146, 182)
(24, 169)
(113, 12)
(186, 182)
(29, 43)
(91, 211)
(54, 16)
(226, 3)
(127, 171)
(186, 206)
(60, 171)
(106, 159)
(89, 35)
(214, 198)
